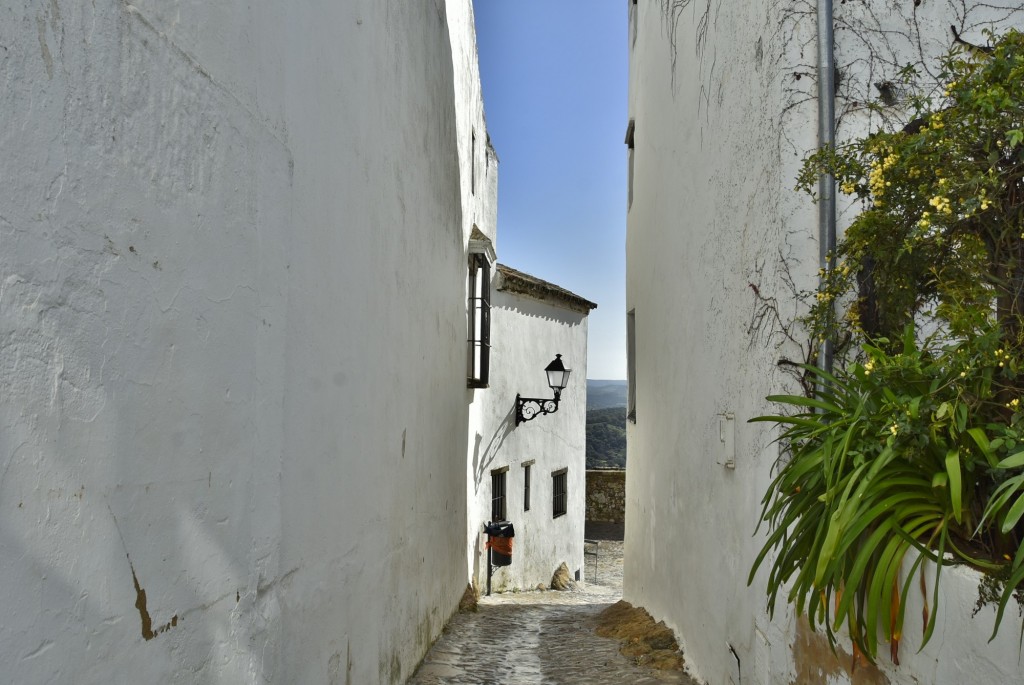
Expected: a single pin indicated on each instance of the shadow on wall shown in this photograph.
(540, 310)
(481, 463)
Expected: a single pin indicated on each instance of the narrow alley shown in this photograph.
(541, 637)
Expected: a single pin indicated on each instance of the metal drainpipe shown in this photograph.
(826, 137)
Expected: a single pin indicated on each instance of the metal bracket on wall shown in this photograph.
(727, 438)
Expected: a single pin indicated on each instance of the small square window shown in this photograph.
(559, 492)
(498, 510)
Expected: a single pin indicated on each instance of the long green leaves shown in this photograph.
(881, 473)
(915, 453)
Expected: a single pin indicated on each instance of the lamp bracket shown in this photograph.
(529, 408)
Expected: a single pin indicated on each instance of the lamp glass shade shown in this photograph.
(558, 375)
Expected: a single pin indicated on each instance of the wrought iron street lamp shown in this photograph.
(528, 408)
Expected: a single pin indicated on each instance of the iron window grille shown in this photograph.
(479, 321)
(559, 493)
(498, 511)
(526, 486)
(631, 365)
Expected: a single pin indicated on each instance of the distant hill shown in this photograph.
(606, 424)
(606, 438)
(605, 394)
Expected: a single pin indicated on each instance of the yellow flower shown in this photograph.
(941, 204)
(894, 429)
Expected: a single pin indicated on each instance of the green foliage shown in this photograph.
(942, 231)
(913, 449)
(888, 464)
(606, 438)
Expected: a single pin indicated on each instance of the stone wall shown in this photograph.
(606, 495)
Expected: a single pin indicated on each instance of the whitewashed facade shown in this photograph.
(531, 322)
(232, 338)
(234, 419)
(722, 109)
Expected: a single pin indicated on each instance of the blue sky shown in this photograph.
(554, 79)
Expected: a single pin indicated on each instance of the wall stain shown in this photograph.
(140, 603)
(817, 663)
(43, 47)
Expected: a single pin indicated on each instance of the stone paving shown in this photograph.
(544, 638)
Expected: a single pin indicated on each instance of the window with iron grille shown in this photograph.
(498, 494)
(559, 493)
(478, 369)
(631, 365)
(526, 485)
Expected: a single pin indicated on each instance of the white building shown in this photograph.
(233, 314)
(722, 108)
(531, 474)
(517, 324)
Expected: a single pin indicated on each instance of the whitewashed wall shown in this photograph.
(722, 98)
(526, 334)
(478, 164)
(232, 325)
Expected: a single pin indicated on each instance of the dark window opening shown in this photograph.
(498, 495)
(478, 370)
(526, 487)
(631, 365)
(629, 161)
(559, 493)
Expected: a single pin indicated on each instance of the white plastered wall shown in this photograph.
(714, 230)
(232, 324)
(526, 334)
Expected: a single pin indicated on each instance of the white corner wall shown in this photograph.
(724, 110)
(232, 325)
(526, 334)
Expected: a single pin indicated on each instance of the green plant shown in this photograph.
(886, 466)
(912, 450)
(941, 233)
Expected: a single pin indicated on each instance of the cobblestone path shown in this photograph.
(539, 638)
